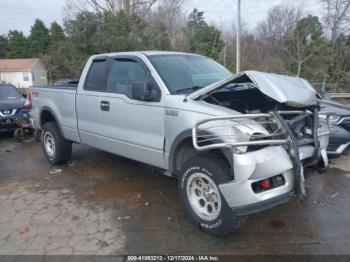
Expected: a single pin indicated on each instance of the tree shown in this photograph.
(306, 41)
(112, 34)
(272, 34)
(280, 23)
(202, 38)
(39, 38)
(336, 18)
(341, 59)
(82, 29)
(56, 34)
(172, 15)
(3, 46)
(129, 7)
(155, 37)
(18, 45)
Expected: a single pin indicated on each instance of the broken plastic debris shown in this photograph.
(23, 229)
(136, 198)
(124, 218)
(72, 163)
(56, 171)
(147, 204)
(335, 195)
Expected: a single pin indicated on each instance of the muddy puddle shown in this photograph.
(115, 189)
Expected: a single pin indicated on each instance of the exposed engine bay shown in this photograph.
(243, 96)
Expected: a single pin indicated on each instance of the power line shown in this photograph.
(214, 5)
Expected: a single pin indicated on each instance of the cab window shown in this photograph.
(123, 74)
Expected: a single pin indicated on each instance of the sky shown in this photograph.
(21, 14)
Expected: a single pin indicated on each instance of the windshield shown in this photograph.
(9, 93)
(188, 73)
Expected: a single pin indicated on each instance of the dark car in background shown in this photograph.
(13, 106)
(339, 139)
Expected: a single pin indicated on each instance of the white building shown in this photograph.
(23, 73)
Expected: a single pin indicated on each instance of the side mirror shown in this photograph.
(145, 90)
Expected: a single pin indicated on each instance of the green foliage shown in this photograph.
(56, 34)
(39, 38)
(306, 42)
(82, 31)
(3, 46)
(112, 34)
(303, 50)
(18, 45)
(202, 38)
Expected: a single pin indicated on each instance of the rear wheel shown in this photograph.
(57, 149)
(200, 195)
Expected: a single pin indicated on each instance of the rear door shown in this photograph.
(131, 128)
(88, 102)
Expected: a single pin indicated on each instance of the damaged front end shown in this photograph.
(273, 133)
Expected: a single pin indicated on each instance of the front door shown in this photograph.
(130, 127)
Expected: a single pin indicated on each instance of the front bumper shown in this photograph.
(280, 158)
(256, 166)
(263, 205)
(11, 123)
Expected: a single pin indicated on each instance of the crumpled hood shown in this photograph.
(291, 90)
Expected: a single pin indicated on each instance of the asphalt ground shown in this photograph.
(103, 204)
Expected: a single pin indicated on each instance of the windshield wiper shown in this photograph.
(188, 89)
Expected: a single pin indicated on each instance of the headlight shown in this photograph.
(334, 118)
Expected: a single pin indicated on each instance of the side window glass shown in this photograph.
(123, 74)
(95, 80)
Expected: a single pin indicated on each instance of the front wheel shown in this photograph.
(57, 149)
(201, 197)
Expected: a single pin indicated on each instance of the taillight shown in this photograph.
(28, 103)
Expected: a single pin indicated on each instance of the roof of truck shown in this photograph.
(147, 53)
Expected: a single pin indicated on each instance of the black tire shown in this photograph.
(218, 170)
(62, 147)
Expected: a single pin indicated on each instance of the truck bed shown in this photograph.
(60, 102)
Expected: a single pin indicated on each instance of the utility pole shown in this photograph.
(238, 45)
(225, 52)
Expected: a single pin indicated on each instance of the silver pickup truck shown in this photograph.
(236, 143)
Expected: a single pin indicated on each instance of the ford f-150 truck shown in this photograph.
(236, 143)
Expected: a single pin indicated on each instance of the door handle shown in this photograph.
(104, 105)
